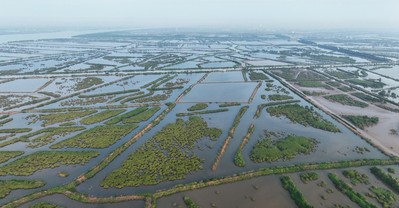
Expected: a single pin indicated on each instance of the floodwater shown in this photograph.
(235, 76)
(391, 72)
(263, 191)
(220, 92)
(23, 85)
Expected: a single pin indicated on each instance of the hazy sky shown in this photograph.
(263, 14)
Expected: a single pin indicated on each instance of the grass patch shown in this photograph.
(387, 179)
(315, 84)
(53, 118)
(126, 115)
(97, 137)
(109, 93)
(254, 76)
(143, 116)
(7, 155)
(313, 93)
(6, 186)
(87, 82)
(202, 112)
(239, 159)
(29, 164)
(345, 100)
(310, 176)
(2, 122)
(229, 104)
(102, 116)
(198, 106)
(341, 74)
(367, 83)
(366, 97)
(166, 156)
(15, 130)
(268, 150)
(356, 177)
(384, 196)
(303, 115)
(49, 136)
(277, 97)
(345, 88)
(190, 203)
(361, 121)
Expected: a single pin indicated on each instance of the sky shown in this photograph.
(249, 14)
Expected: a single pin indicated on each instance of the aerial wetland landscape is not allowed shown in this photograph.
(157, 119)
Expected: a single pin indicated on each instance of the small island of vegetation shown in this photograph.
(303, 115)
(268, 150)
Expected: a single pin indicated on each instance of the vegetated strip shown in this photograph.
(53, 118)
(167, 88)
(143, 116)
(4, 116)
(97, 137)
(358, 198)
(51, 94)
(84, 198)
(295, 194)
(126, 115)
(126, 96)
(136, 97)
(102, 116)
(12, 141)
(254, 92)
(229, 136)
(229, 104)
(29, 164)
(198, 106)
(2, 122)
(386, 178)
(7, 155)
(109, 93)
(154, 86)
(202, 112)
(264, 105)
(238, 157)
(54, 110)
(155, 81)
(15, 130)
(6, 186)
